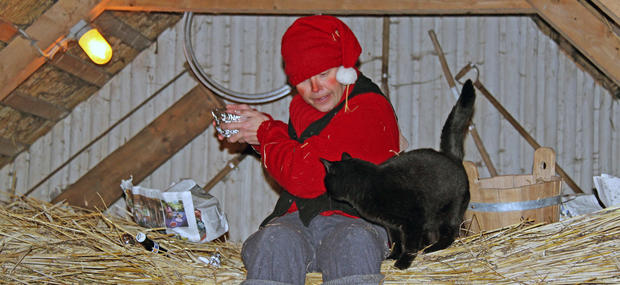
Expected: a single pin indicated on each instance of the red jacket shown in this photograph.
(367, 129)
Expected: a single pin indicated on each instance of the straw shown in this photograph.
(57, 244)
(44, 243)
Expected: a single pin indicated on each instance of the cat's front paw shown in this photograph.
(404, 261)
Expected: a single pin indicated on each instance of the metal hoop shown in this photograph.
(249, 98)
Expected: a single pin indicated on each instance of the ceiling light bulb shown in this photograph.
(95, 46)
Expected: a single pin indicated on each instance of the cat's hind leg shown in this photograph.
(412, 239)
(405, 260)
(396, 240)
(447, 234)
(452, 216)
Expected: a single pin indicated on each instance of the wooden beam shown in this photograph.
(230, 165)
(611, 8)
(35, 106)
(593, 38)
(7, 31)
(350, 7)
(577, 57)
(110, 25)
(4, 160)
(20, 59)
(10, 147)
(87, 71)
(145, 152)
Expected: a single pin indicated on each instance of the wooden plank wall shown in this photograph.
(559, 104)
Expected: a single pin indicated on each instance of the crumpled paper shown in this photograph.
(575, 205)
(608, 190)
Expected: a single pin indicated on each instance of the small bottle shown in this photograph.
(149, 244)
(127, 239)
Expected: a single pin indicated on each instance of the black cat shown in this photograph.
(420, 196)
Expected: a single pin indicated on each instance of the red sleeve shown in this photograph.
(367, 129)
(257, 147)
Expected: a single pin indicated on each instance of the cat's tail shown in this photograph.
(455, 128)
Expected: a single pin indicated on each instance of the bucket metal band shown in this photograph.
(514, 206)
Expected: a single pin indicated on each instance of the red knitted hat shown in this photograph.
(314, 44)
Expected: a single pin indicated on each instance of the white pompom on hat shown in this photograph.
(346, 75)
(314, 44)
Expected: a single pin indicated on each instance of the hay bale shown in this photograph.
(45, 243)
(584, 249)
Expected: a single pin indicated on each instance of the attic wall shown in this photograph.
(560, 105)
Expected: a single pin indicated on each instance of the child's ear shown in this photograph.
(345, 156)
(326, 163)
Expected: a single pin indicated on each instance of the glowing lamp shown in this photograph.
(92, 42)
(95, 46)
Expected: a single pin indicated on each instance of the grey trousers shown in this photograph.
(344, 250)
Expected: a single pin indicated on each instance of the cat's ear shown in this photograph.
(345, 156)
(326, 163)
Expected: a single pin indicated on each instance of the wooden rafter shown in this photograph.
(145, 152)
(86, 71)
(10, 147)
(7, 31)
(584, 31)
(110, 25)
(35, 106)
(611, 8)
(365, 7)
(20, 59)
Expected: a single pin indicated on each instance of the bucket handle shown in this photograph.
(472, 172)
(544, 163)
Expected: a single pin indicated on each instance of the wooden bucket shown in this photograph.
(508, 199)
